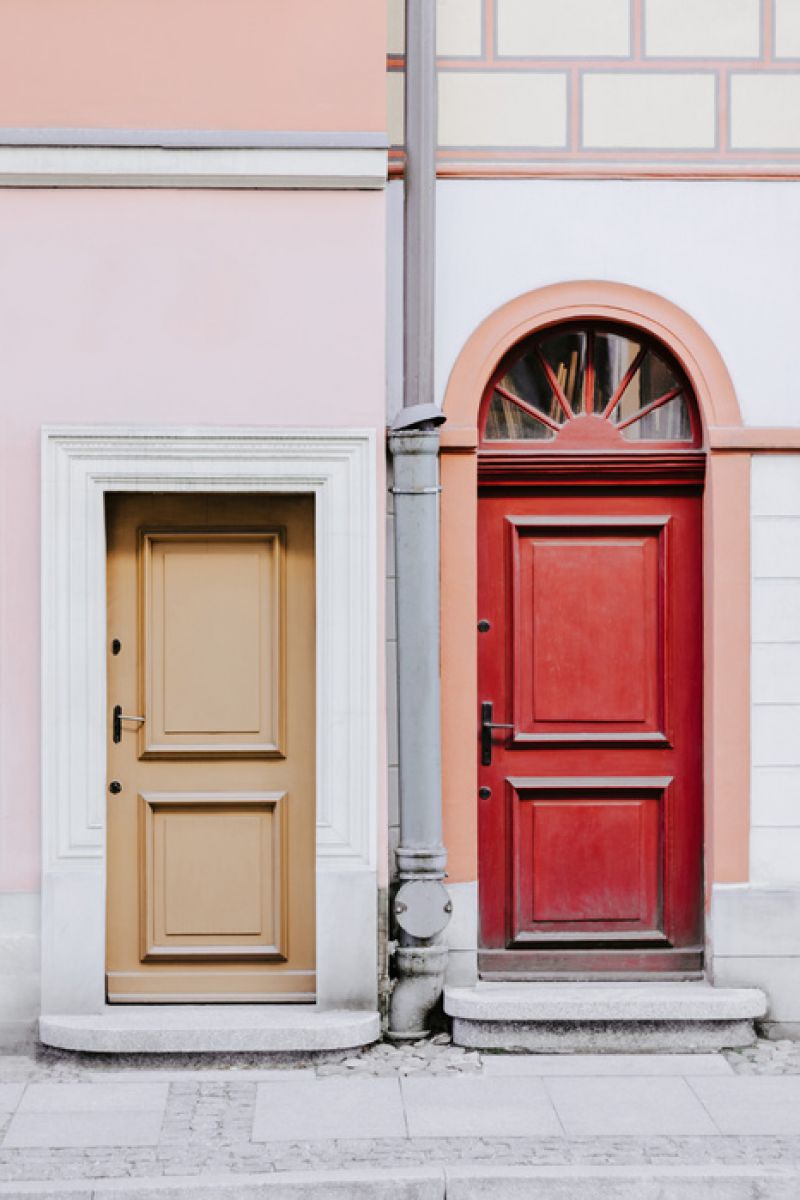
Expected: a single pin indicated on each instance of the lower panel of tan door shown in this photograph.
(213, 901)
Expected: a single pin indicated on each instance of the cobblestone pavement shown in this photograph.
(436, 1056)
(197, 1158)
(208, 1120)
(766, 1058)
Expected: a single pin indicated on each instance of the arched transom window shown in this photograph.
(590, 384)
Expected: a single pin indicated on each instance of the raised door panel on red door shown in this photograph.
(590, 835)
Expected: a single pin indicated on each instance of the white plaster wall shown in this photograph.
(727, 252)
(756, 927)
(20, 986)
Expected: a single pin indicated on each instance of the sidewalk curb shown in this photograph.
(703, 1181)
(389, 1184)
(699, 1182)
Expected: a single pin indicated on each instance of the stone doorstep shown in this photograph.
(603, 1017)
(701, 1182)
(211, 1028)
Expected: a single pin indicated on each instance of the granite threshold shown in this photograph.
(210, 1028)
(581, 1017)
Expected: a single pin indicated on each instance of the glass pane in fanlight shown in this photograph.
(613, 356)
(566, 355)
(507, 423)
(670, 422)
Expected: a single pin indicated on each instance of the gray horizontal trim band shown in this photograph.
(195, 166)
(194, 139)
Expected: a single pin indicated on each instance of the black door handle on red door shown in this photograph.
(487, 725)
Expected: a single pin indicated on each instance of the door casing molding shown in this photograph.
(79, 465)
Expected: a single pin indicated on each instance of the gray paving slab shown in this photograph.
(632, 1106)
(470, 1106)
(752, 1104)
(317, 1109)
(60, 1130)
(10, 1096)
(94, 1097)
(606, 1064)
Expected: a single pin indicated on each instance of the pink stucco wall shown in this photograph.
(173, 308)
(221, 64)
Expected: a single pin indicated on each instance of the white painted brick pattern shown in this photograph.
(395, 99)
(659, 111)
(650, 79)
(502, 109)
(570, 28)
(787, 28)
(459, 27)
(775, 682)
(765, 111)
(395, 27)
(702, 28)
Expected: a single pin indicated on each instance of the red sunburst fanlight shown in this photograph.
(593, 386)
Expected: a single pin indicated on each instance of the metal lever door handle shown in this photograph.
(487, 725)
(118, 717)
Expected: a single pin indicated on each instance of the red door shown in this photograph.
(590, 715)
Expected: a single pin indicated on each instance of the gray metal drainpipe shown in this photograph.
(421, 905)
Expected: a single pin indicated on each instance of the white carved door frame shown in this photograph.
(79, 465)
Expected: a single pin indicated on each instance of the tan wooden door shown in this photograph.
(211, 806)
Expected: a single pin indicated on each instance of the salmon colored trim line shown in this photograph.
(567, 170)
(755, 438)
(726, 558)
(637, 32)
(726, 703)
(489, 48)
(751, 439)
(459, 650)
(723, 110)
(626, 65)
(575, 111)
(767, 32)
(532, 156)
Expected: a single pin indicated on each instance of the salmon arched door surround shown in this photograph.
(562, 302)
(726, 635)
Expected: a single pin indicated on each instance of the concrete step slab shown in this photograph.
(568, 1018)
(644, 1001)
(211, 1028)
